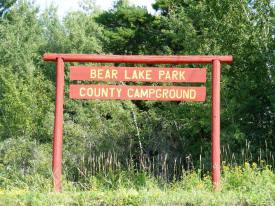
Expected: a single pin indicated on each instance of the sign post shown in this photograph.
(216, 124)
(58, 124)
(146, 74)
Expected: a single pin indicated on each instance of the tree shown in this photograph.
(242, 29)
(5, 6)
(128, 29)
(23, 96)
(204, 27)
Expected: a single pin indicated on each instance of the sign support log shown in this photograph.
(216, 124)
(138, 59)
(58, 124)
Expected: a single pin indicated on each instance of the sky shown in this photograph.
(72, 5)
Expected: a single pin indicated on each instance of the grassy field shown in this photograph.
(249, 184)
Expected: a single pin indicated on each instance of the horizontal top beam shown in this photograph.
(137, 59)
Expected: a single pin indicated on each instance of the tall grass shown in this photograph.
(106, 179)
(241, 185)
(165, 167)
(247, 155)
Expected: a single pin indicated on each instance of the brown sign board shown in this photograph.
(145, 74)
(164, 93)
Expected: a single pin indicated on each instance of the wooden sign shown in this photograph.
(137, 92)
(145, 74)
(164, 93)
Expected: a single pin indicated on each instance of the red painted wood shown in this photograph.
(152, 95)
(137, 59)
(58, 125)
(145, 74)
(164, 93)
(216, 124)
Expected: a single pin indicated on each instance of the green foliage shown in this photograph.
(27, 169)
(5, 6)
(24, 91)
(128, 29)
(218, 28)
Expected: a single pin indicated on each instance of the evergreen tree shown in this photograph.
(5, 6)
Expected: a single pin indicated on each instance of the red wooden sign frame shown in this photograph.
(58, 125)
